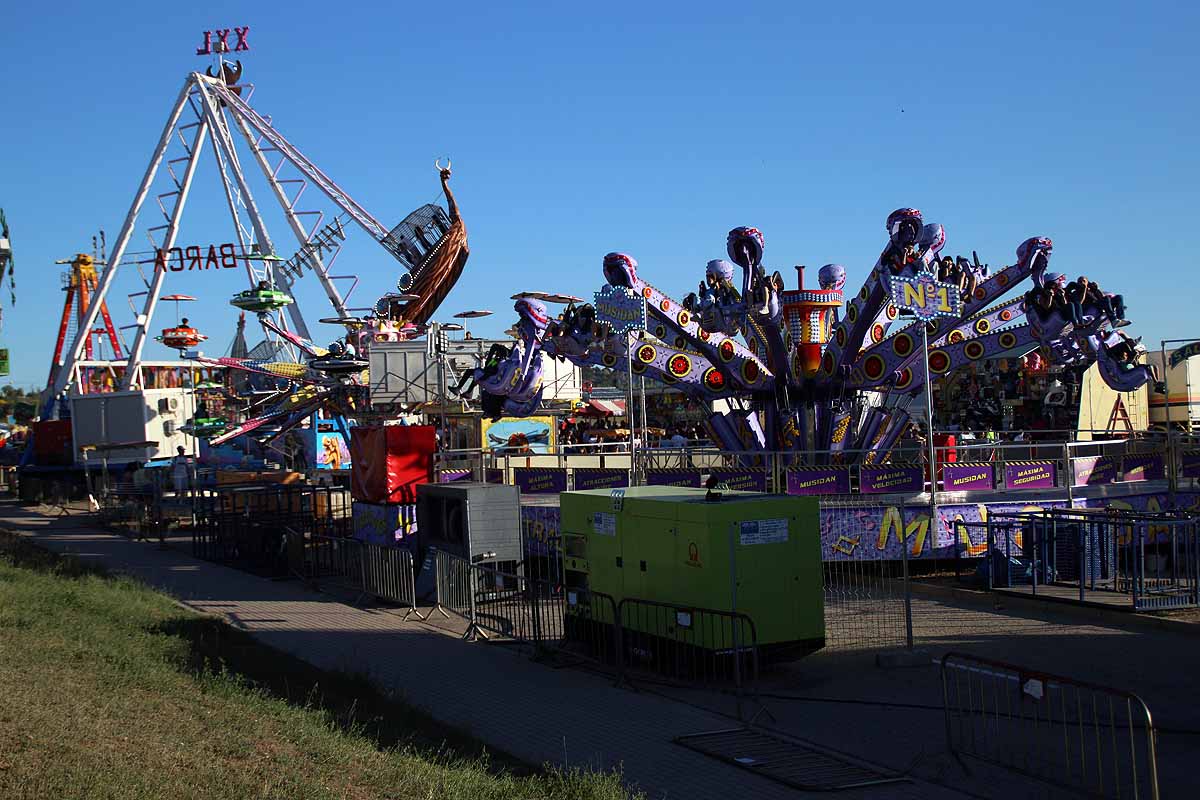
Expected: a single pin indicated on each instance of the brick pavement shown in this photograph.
(536, 713)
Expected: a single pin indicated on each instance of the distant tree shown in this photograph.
(18, 403)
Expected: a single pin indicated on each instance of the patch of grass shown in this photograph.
(110, 689)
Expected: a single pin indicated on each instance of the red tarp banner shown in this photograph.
(388, 462)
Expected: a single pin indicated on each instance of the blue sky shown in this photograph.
(651, 128)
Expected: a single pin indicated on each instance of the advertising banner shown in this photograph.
(385, 524)
(673, 477)
(871, 532)
(540, 526)
(1143, 467)
(1029, 475)
(519, 435)
(540, 480)
(902, 478)
(742, 480)
(967, 477)
(591, 478)
(1093, 471)
(818, 480)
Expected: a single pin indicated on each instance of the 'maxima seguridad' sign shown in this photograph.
(925, 296)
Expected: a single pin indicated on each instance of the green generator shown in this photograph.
(658, 546)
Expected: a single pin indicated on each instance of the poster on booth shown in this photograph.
(967, 477)
(818, 480)
(1029, 475)
(741, 480)
(332, 452)
(894, 478)
(592, 478)
(515, 436)
(540, 480)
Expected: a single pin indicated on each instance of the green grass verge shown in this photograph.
(108, 689)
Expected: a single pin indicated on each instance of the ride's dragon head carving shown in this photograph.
(230, 74)
(904, 226)
(832, 276)
(1034, 255)
(745, 246)
(534, 317)
(620, 269)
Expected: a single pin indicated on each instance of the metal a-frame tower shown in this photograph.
(213, 113)
(80, 285)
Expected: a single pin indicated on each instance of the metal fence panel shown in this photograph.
(867, 600)
(1149, 560)
(1079, 736)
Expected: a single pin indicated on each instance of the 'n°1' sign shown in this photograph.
(925, 296)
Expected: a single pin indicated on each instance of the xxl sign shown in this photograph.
(925, 297)
(218, 41)
(181, 259)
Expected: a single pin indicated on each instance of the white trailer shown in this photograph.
(1183, 384)
(148, 420)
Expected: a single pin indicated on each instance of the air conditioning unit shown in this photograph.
(169, 427)
(168, 405)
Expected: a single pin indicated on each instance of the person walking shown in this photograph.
(180, 471)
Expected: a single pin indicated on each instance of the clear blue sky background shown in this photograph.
(646, 127)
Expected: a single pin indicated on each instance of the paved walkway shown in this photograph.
(837, 699)
(536, 713)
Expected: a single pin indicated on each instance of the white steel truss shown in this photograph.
(213, 105)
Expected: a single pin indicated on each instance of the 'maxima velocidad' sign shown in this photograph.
(925, 296)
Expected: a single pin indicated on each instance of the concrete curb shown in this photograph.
(1084, 613)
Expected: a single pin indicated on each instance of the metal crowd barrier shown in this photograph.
(1103, 555)
(688, 644)
(385, 573)
(866, 595)
(992, 551)
(244, 525)
(495, 602)
(678, 644)
(1078, 736)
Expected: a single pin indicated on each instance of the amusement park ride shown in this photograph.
(799, 371)
(804, 371)
(79, 283)
(7, 265)
(213, 113)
